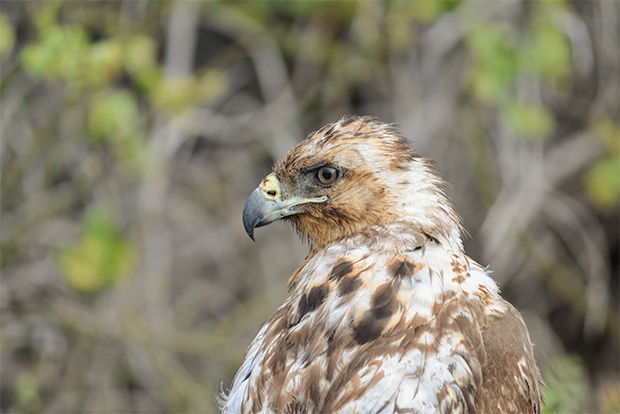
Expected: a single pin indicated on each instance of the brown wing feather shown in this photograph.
(511, 382)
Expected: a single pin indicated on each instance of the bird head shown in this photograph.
(349, 176)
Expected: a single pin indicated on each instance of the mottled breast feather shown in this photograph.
(370, 331)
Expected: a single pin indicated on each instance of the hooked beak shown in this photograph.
(265, 205)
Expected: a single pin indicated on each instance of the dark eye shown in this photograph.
(327, 175)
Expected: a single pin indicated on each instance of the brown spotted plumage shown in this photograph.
(387, 314)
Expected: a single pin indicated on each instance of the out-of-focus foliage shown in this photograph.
(7, 36)
(528, 120)
(132, 132)
(100, 256)
(27, 392)
(602, 180)
(178, 95)
(567, 387)
(505, 55)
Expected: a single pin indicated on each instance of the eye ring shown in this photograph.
(327, 175)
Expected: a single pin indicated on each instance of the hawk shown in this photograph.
(387, 314)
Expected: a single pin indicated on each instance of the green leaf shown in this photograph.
(7, 36)
(211, 85)
(495, 64)
(146, 80)
(105, 62)
(567, 387)
(113, 115)
(608, 133)
(602, 182)
(529, 121)
(27, 393)
(430, 10)
(180, 94)
(399, 33)
(140, 54)
(58, 54)
(175, 95)
(547, 52)
(47, 17)
(100, 258)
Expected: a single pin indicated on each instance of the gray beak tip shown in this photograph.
(252, 213)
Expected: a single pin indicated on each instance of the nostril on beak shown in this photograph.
(270, 187)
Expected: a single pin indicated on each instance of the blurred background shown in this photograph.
(132, 133)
